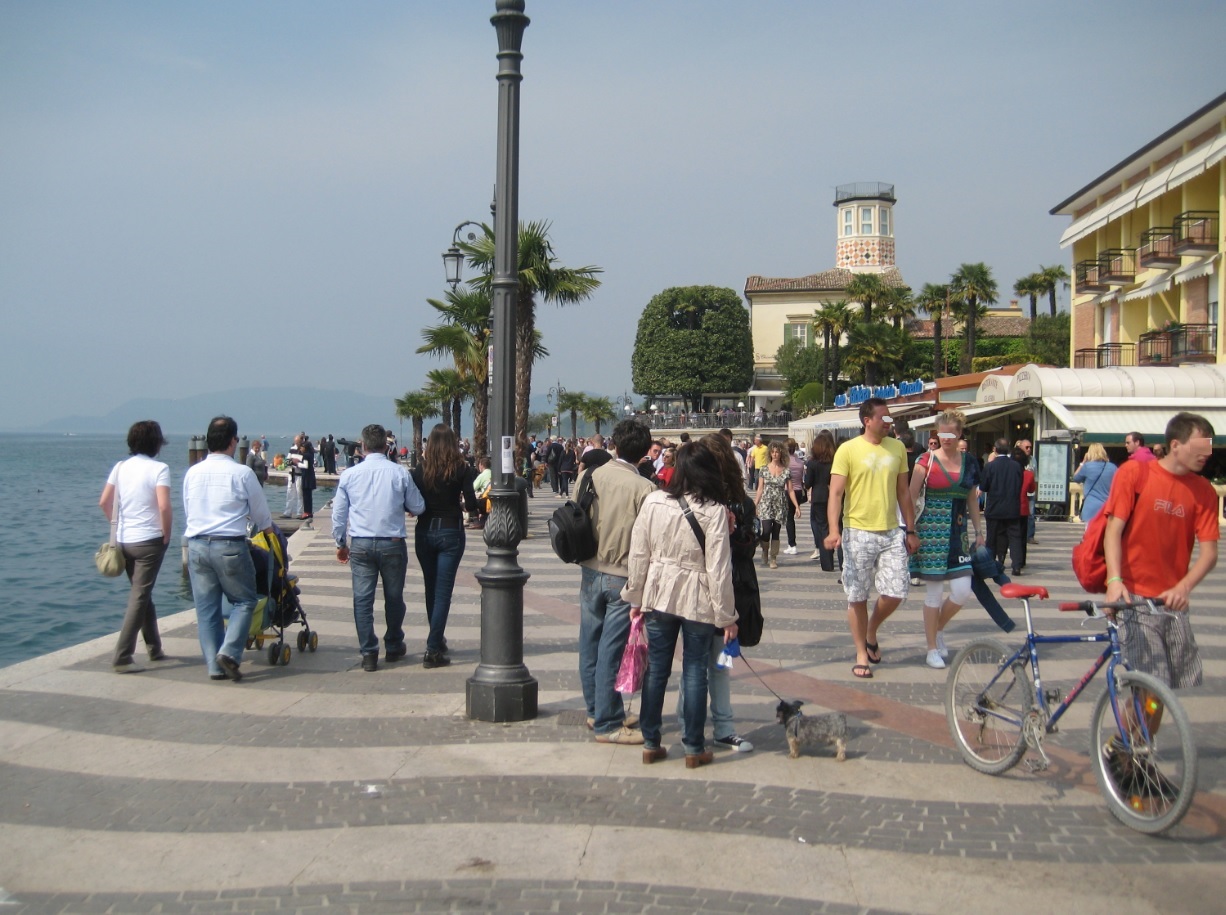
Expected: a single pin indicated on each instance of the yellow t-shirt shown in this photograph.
(761, 456)
(870, 496)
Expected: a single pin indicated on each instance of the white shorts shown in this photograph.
(875, 559)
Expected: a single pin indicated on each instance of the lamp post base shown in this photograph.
(501, 702)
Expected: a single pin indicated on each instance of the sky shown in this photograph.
(197, 197)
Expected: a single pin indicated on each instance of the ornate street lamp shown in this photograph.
(453, 257)
(501, 688)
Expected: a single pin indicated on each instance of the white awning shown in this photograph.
(766, 393)
(1188, 167)
(1090, 222)
(911, 408)
(1123, 203)
(1202, 267)
(1108, 420)
(1217, 151)
(1154, 286)
(976, 415)
(804, 429)
(1154, 186)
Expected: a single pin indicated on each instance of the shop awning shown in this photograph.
(912, 408)
(1203, 267)
(1108, 420)
(1153, 287)
(976, 415)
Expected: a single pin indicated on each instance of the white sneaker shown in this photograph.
(941, 646)
(816, 554)
(935, 661)
(740, 744)
(790, 551)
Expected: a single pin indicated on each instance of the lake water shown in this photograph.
(51, 596)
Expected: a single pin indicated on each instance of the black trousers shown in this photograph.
(1008, 534)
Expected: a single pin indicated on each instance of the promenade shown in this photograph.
(316, 786)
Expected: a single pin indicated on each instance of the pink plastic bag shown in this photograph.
(634, 660)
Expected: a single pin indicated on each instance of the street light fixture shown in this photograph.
(453, 257)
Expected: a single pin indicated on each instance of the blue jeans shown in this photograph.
(662, 632)
(370, 558)
(604, 625)
(719, 690)
(217, 568)
(439, 551)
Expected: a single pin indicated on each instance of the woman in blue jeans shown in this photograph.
(446, 483)
(683, 584)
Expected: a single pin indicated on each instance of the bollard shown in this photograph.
(193, 450)
(243, 445)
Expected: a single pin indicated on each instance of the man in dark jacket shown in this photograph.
(1001, 483)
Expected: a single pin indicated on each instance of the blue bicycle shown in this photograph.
(1141, 745)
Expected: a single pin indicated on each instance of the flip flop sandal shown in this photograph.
(862, 672)
(873, 648)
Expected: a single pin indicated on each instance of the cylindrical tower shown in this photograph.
(865, 226)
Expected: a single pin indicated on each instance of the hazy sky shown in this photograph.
(200, 196)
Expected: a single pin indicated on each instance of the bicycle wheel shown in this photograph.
(985, 706)
(1150, 785)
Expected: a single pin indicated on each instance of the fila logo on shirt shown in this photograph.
(1171, 508)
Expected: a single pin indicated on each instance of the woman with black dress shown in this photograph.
(817, 482)
(445, 479)
(568, 466)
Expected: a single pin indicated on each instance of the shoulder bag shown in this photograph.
(922, 498)
(109, 559)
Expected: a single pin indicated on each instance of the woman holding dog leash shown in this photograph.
(680, 576)
(950, 479)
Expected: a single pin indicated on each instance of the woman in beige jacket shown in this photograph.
(684, 588)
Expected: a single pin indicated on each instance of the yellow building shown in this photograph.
(1146, 240)
(781, 308)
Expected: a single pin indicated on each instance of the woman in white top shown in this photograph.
(139, 490)
(685, 589)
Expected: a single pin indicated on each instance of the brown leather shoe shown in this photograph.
(694, 760)
(654, 755)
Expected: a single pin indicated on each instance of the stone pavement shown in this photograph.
(317, 786)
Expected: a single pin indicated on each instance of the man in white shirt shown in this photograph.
(220, 495)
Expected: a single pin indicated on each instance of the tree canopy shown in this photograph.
(691, 341)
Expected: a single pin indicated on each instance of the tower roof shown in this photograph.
(864, 190)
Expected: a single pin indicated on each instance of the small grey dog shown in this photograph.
(812, 732)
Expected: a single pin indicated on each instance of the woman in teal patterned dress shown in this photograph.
(945, 550)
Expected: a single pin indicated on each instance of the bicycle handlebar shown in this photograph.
(1094, 608)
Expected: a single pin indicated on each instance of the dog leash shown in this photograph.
(760, 680)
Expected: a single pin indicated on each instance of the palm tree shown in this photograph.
(451, 389)
(934, 298)
(572, 402)
(598, 410)
(1052, 277)
(464, 335)
(972, 288)
(841, 319)
(1031, 285)
(899, 305)
(867, 289)
(539, 275)
(417, 406)
(871, 347)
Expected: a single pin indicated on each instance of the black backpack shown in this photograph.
(570, 528)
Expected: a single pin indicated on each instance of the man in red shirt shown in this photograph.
(1148, 548)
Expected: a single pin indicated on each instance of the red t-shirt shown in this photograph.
(1029, 487)
(1171, 512)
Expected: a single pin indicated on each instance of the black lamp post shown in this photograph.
(453, 257)
(555, 397)
(501, 688)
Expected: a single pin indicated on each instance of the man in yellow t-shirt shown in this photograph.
(869, 491)
(758, 457)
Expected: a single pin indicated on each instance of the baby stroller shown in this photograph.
(278, 607)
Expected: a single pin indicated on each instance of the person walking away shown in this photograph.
(817, 482)
(774, 500)
(945, 549)
(1148, 547)
(685, 589)
(796, 467)
(568, 465)
(553, 457)
(137, 494)
(220, 497)
(869, 474)
(1029, 488)
(368, 527)
(1002, 487)
(307, 470)
(1095, 474)
(604, 616)
(257, 462)
(445, 480)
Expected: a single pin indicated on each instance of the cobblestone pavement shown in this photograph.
(316, 786)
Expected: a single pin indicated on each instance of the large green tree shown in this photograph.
(691, 341)
(934, 299)
(799, 364)
(873, 348)
(834, 319)
(972, 287)
(1050, 278)
(540, 277)
(1031, 286)
(464, 335)
(1049, 339)
(868, 289)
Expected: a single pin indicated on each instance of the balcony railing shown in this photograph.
(1178, 345)
(1196, 232)
(1117, 266)
(1105, 355)
(1086, 274)
(1157, 248)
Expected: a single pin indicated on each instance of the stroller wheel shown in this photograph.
(285, 653)
(274, 653)
(302, 641)
(313, 643)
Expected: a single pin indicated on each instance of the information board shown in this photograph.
(1052, 471)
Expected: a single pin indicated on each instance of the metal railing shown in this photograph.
(1117, 266)
(1179, 344)
(1196, 230)
(1105, 355)
(716, 419)
(864, 190)
(1086, 277)
(1157, 247)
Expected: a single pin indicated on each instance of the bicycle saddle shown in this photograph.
(1014, 591)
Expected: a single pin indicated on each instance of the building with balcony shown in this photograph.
(782, 308)
(1146, 240)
